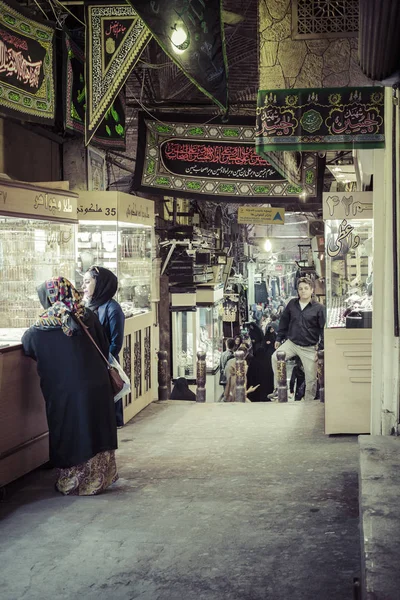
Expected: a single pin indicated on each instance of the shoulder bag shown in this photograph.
(117, 383)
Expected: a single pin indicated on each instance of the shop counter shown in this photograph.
(24, 444)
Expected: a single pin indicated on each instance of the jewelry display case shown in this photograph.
(349, 302)
(31, 251)
(37, 241)
(116, 231)
(197, 326)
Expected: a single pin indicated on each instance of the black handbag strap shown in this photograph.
(86, 330)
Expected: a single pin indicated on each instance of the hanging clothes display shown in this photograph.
(231, 315)
(260, 293)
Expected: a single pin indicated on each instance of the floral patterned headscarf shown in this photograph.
(60, 299)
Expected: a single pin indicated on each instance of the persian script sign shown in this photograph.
(313, 119)
(26, 66)
(27, 199)
(351, 205)
(261, 215)
(188, 158)
(216, 159)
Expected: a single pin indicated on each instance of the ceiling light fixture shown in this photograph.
(267, 246)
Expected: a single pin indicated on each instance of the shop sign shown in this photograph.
(347, 205)
(261, 215)
(26, 67)
(320, 119)
(132, 209)
(99, 206)
(115, 206)
(34, 201)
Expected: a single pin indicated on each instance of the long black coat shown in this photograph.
(77, 391)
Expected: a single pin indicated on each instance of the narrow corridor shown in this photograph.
(214, 501)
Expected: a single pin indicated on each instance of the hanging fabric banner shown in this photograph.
(115, 39)
(215, 161)
(191, 33)
(26, 66)
(320, 119)
(111, 131)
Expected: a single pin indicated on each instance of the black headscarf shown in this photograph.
(106, 286)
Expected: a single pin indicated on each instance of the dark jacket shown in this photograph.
(77, 391)
(225, 356)
(113, 319)
(302, 327)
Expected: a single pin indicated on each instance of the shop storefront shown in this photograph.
(37, 241)
(197, 327)
(116, 231)
(348, 335)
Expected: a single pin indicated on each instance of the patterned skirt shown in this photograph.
(89, 478)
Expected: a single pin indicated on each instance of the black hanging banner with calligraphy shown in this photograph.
(115, 39)
(111, 131)
(27, 88)
(320, 119)
(191, 33)
(185, 156)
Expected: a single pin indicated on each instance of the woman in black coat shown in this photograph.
(100, 286)
(76, 387)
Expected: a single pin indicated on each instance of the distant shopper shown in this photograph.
(100, 286)
(302, 326)
(297, 380)
(274, 323)
(76, 388)
(225, 356)
(181, 391)
(238, 341)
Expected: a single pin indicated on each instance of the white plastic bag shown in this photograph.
(127, 384)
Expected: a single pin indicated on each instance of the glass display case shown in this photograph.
(349, 273)
(184, 326)
(196, 329)
(31, 251)
(210, 336)
(125, 249)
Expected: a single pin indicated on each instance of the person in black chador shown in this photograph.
(256, 336)
(181, 391)
(76, 388)
(298, 380)
(258, 374)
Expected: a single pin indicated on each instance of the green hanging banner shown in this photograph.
(26, 66)
(111, 132)
(320, 119)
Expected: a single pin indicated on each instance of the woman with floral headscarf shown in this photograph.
(76, 387)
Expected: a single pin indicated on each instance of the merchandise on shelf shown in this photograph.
(31, 251)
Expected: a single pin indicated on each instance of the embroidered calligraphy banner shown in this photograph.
(215, 161)
(111, 131)
(26, 66)
(191, 33)
(315, 119)
(115, 39)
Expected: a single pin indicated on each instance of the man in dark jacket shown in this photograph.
(302, 326)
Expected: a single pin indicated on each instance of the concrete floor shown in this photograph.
(214, 501)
